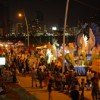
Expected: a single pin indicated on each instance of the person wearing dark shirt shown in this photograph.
(74, 93)
(49, 88)
(82, 86)
(94, 88)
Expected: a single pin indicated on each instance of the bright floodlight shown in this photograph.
(54, 28)
(2, 60)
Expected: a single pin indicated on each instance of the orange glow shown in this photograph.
(20, 15)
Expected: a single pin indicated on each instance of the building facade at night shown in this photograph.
(4, 20)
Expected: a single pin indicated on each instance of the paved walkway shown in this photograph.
(42, 94)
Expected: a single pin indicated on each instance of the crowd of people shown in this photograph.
(24, 61)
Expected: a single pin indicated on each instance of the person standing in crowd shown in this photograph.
(49, 88)
(95, 87)
(40, 77)
(74, 93)
(23, 69)
(2, 86)
(89, 77)
(14, 76)
(27, 66)
(34, 77)
(82, 86)
(0, 72)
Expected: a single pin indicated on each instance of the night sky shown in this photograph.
(53, 11)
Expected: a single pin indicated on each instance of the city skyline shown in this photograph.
(52, 12)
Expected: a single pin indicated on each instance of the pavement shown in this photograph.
(42, 94)
(14, 91)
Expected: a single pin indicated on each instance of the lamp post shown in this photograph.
(27, 28)
(65, 22)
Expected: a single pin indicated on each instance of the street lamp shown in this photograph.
(20, 15)
(27, 28)
(65, 22)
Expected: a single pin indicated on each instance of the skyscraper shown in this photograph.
(4, 20)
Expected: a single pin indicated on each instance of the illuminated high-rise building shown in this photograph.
(4, 20)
